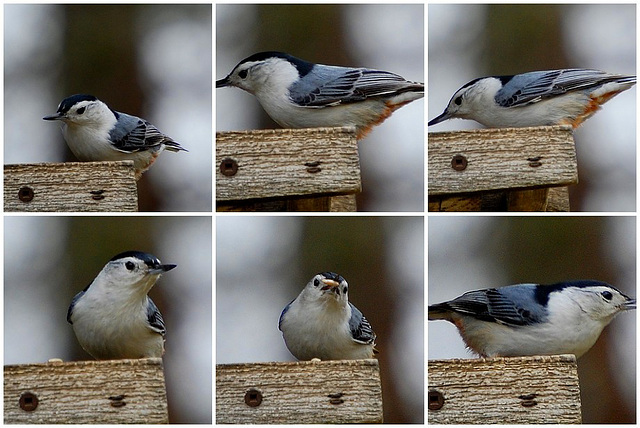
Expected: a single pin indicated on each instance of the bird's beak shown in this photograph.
(629, 304)
(57, 116)
(329, 283)
(444, 116)
(223, 82)
(161, 269)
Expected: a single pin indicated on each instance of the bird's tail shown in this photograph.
(440, 311)
(173, 146)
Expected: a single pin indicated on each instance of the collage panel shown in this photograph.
(531, 109)
(307, 264)
(75, 290)
(533, 65)
(588, 265)
(111, 82)
(323, 65)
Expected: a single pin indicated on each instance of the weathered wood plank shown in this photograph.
(280, 163)
(516, 390)
(508, 158)
(303, 392)
(86, 392)
(70, 187)
(338, 203)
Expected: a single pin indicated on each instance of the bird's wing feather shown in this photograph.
(361, 330)
(154, 317)
(338, 85)
(490, 305)
(284, 311)
(73, 303)
(132, 134)
(533, 87)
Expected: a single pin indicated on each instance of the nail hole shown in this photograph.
(436, 400)
(28, 401)
(253, 397)
(459, 162)
(228, 167)
(25, 194)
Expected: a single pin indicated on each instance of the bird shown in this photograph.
(113, 318)
(95, 132)
(321, 322)
(300, 94)
(534, 319)
(538, 98)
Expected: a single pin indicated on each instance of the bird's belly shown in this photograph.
(90, 149)
(360, 115)
(491, 339)
(326, 342)
(104, 342)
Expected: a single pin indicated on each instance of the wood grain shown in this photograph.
(516, 390)
(71, 187)
(87, 392)
(328, 392)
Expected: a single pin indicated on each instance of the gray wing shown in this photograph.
(328, 85)
(73, 303)
(154, 317)
(132, 134)
(361, 330)
(284, 311)
(532, 87)
(504, 306)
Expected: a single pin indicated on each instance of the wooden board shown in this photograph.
(516, 390)
(328, 392)
(507, 158)
(86, 392)
(70, 187)
(277, 163)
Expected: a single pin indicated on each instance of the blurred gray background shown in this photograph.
(474, 40)
(262, 264)
(47, 260)
(152, 61)
(385, 37)
(470, 253)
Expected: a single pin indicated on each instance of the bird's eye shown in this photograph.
(243, 74)
(607, 295)
(458, 100)
(345, 289)
(81, 110)
(129, 265)
(316, 282)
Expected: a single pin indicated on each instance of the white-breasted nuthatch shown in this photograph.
(538, 98)
(300, 94)
(322, 323)
(94, 132)
(113, 317)
(534, 319)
